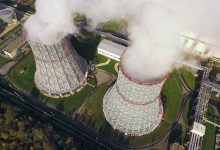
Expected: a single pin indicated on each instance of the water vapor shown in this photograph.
(154, 27)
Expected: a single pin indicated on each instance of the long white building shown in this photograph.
(111, 49)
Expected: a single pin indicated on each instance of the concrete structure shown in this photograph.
(176, 146)
(12, 49)
(111, 49)
(59, 69)
(7, 15)
(132, 107)
(198, 129)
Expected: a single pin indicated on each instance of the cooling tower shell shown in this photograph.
(7, 15)
(59, 69)
(132, 107)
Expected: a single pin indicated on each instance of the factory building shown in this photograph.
(133, 107)
(111, 49)
(16, 46)
(59, 69)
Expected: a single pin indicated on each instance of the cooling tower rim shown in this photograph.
(148, 83)
(34, 39)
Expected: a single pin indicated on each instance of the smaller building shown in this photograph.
(12, 49)
(198, 129)
(176, 146)
(111, 49)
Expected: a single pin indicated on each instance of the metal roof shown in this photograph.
(15, 44)
(112, 47)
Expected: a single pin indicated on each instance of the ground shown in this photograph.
(94, 116)
(209, 137)
(22, 76)
(3, 61)
(189, 76)
(114, 26)
(187, 111)
(110, 67)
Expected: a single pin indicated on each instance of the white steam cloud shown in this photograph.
(154, 27)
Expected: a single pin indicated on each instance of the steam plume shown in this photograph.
(154, 27)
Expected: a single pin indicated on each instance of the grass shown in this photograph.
(186, 111)
(152, 137)
(99, 59)
(68, 104)
(79, 17)
(113, 26)
(172, 96)
(3, 61)
(25, 82)
(94, 108)
(209, 137)
(94, 116)
(110, 67)
(189, 77)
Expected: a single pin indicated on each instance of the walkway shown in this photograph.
(103, 64)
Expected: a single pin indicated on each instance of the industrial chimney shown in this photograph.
(133, 107)
(59, 69)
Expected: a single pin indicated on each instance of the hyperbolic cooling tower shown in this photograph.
(7, 15)
(132, 107)
(59, 69)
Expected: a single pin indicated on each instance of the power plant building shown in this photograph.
(132, 107)
(59, 69)
(111, 49)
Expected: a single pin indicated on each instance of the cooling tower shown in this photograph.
(7, 15)
(59, 69)
(132, 107)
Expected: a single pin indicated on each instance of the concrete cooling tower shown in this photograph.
(7, 15)
(59, 69)
(132, 107)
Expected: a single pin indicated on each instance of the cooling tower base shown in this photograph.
(133, 120)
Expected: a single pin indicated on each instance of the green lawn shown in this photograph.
(110, 67)
(79, 17)
(3, 61)
(172, 96)
(68, 104)
(186, 111)
(209, 137)
(189, 77)
(99, 59)
(94, 108)
(25, 81)
(114, 26)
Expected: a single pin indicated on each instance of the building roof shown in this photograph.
(176, 146)
(16, 44)
(198, 129)
(112, 47)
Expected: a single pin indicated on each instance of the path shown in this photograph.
(103, 64)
